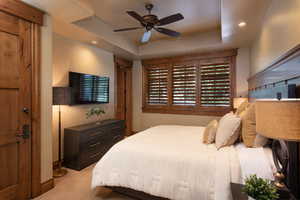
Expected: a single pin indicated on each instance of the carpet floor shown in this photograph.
(76, 185)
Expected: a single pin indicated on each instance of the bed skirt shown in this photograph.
(135, 194)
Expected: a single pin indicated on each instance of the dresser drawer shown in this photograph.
(86, 144)
(92, 135)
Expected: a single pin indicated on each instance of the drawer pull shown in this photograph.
(95, 155)
(95, 134)
(94, 145)
(117, 137)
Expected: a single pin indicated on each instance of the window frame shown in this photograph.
(198, 59)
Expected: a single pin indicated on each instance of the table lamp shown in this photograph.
(279, 120)
(61, 96)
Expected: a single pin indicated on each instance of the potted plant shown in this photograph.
(95, 112)
(260, 189)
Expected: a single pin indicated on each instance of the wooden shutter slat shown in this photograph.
(184, 85)
(215, 84)
(157, 78)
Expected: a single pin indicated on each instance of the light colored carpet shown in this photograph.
(76, 185)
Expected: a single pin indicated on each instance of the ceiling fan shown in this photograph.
(151, 21)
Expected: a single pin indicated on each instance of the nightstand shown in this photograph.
(237, 194)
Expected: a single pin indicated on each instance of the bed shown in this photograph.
(171, 162)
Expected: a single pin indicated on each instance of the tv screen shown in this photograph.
(88, 89)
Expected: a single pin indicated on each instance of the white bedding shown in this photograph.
(170, 162)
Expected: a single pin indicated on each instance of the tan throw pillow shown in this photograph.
(249, 126)
(242, 107)
(210, 131)
(228, 130)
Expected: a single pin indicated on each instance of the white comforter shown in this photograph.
(170, 162)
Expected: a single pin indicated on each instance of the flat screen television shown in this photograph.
(88, 89)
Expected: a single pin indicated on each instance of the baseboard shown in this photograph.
(48, 185)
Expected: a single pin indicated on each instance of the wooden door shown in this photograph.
(15, 107)
(124, 93)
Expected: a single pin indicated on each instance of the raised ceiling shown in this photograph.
(209, 25)
(200, 15)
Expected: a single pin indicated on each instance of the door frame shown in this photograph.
(121, 63)
(35, 16)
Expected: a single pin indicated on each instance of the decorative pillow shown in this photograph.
(228, 130)
(249, 126)
(242, 107)
(241, 115)
(210, 131)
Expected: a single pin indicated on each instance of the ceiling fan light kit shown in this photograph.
(150, 22)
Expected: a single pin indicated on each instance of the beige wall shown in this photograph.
(242, 72)
(46, 100)
(280, 32)
(70, 55)
(142, 120)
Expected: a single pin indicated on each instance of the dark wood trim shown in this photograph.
(214, 111)
(122, 62)
(123, 83)
(191, 57)
(46, 186)
(269, 75)
(36, 111)
(22, 10)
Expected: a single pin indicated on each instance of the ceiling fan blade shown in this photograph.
(168, 32)
(146, 37)
(170, 19)
(128, 29)
(136, 16)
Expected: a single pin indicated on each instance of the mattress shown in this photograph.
(172, 162)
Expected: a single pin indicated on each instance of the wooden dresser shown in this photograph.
(86, 144)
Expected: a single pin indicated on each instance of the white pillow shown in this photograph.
(228, 130)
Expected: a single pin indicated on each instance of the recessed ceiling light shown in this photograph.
(94, 42)
(242, 24)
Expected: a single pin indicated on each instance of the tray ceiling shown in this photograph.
(200, 15)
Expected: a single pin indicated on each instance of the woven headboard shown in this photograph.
(283, 76)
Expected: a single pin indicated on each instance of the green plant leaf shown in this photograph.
(260, 189)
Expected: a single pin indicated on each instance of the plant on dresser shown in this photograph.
(86, 144)
(95, 111)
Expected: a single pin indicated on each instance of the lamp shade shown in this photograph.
(238, 101)
(61, 96)
(278, 119)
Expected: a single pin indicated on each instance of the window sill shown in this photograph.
(205, 111)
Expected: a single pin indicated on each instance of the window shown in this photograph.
(199, 84)
(157, 86)
(184, 84)
(215, 84)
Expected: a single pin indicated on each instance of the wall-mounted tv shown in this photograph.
(88, 89)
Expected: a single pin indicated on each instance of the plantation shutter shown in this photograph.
(157, 85)
(215, 84)
(184, 84)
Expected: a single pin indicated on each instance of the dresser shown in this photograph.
(86, 144)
